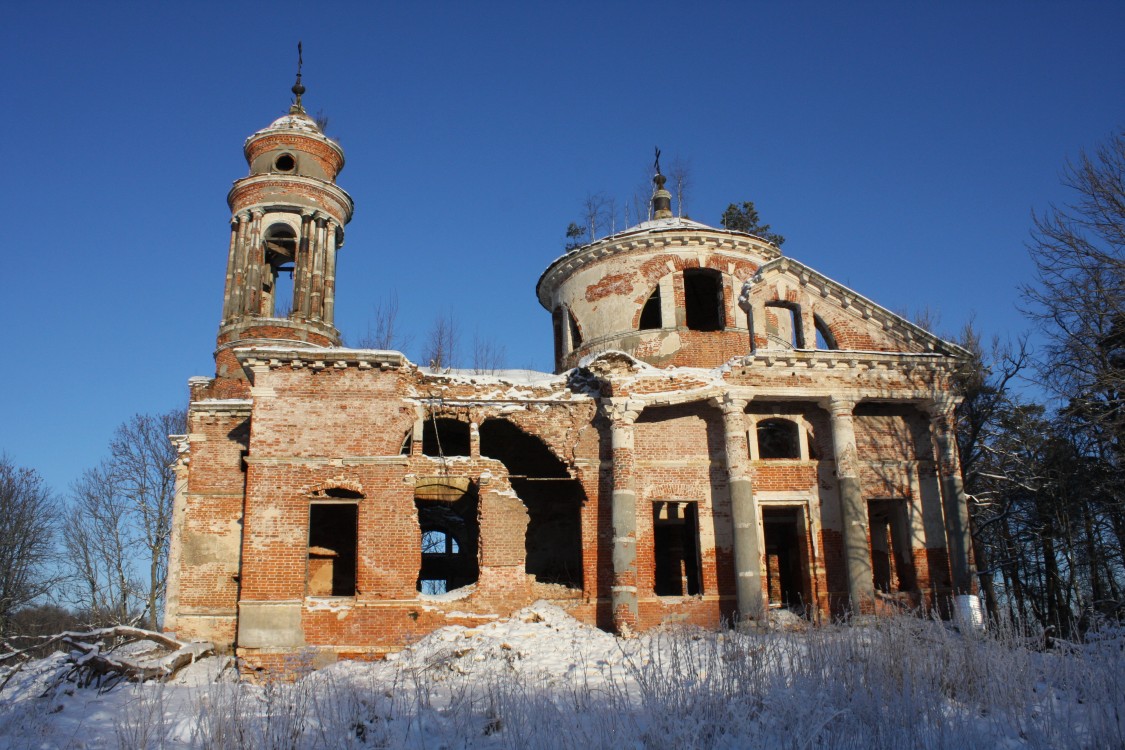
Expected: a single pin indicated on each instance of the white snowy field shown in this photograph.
(543, 680)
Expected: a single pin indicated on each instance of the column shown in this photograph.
(621, 414)
(255, 259)
(329, 290)
(744, 511)
(953, 499)
(316, 289)
(301, 270)
(238, 291)
(853, 510)
(228, 290)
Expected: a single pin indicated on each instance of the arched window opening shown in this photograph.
(650, 313)
(778, 438)
(332, 548)
(783, 324)
(277, 279)
(575, 334)
(703, 299)
(442, 436)
(450, 536)
(824, 338)
(675, 548)
(553, 545)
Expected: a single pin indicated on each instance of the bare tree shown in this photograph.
(488, 356)
(642, 195)
(118, 538)
(441, 343)
(594, 213)
(1079, 297)
(382, 330)
(142, 461)
(27, 530)
(100, 546)
(681, 183)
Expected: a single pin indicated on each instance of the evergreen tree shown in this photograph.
(744, 218)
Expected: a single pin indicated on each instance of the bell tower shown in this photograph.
(287, 224)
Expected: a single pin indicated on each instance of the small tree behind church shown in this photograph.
(743, 217)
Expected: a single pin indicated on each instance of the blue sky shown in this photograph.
(899, 147)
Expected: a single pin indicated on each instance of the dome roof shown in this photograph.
(298, 121)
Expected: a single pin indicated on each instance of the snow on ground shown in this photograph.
(543, 680)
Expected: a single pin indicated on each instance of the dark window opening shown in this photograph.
(703, 299)
(285, 163)
(557, 325)
(778, 438)
(783, 324)
(332, 549)
(786, 554)
(892, 563)
(445, 437)
(824, 338)
(675, 544)
(650, 313)
(553, 545)
(575, 334)
(342, 493)
(450, 534)
(814, 454)
(277, 281)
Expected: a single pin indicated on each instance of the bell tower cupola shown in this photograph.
(287, 224)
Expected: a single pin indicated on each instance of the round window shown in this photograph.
(285, 163)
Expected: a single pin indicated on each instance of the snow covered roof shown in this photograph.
(293, 121)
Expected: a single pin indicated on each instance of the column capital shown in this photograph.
(308, 213)
(257, 213)
(939, 408)
(838, 406)
(729, 403)
(619, 409)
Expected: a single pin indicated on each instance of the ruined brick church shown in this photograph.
(727, 434)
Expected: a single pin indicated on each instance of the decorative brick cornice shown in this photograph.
(216, 407)
(334, 194)
(815, 282)
(317, 358)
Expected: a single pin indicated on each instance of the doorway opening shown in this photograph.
(787, 564)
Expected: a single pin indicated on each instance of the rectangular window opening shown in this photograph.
(675, 531)
(783, 325)
(332, 549)
(704, 308)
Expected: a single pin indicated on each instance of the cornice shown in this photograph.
(337, 193)
(849, 299)
(274, 357)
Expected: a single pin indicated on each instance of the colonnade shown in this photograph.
(622, 413)
(314, 267)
